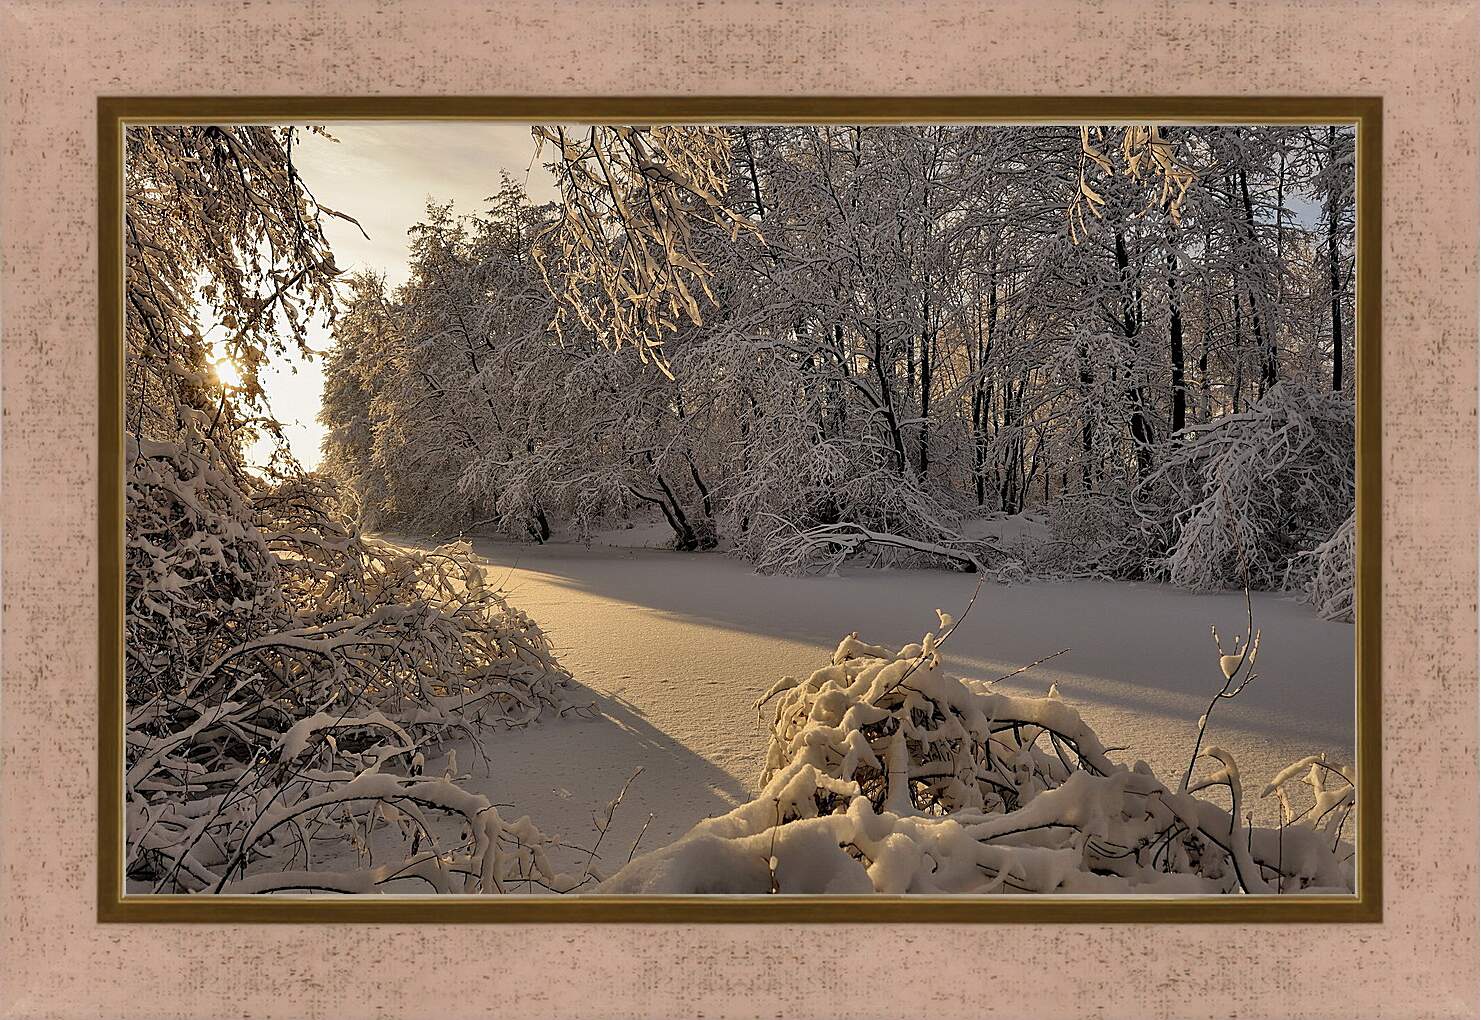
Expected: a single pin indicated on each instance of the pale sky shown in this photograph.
(383, 174)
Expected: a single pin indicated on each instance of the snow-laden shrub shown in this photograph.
(798, 496)
(221, 798)
(884, 774)
(1087, 537)
(1325, 576)
(872, 513)
(199, 575)
(287, 680)
(1234, 501)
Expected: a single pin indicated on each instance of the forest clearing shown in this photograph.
(673, 650)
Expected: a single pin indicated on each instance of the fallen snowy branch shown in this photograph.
(884, 774)
(826, 547)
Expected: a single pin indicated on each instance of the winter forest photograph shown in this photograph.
(553, 509)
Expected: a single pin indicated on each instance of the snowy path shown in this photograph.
(674, 649)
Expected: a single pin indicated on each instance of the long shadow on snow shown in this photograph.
(1305, 691)
(568, 768)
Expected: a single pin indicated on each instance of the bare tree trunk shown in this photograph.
(925, 383)
(1087, 426)
(1141, 433)
(1010, 495)
(1269, 366)
(980, 386)
(897, 441)
(745, 134)
(1334, 267)
(686, 538)
(1175, 342)
(1238, 354)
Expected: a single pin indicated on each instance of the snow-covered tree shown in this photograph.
(226, 264)
(633, 199)
(863, 331)
(287, 678)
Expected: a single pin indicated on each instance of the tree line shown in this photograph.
(763, 331)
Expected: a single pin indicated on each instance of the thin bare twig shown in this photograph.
(1036, 662)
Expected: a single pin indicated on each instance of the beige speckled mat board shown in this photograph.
(58, 58)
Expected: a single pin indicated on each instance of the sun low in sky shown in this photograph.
(384, 174)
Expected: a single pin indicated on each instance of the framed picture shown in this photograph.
(739, 509)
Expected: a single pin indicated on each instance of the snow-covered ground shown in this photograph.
(673, 649)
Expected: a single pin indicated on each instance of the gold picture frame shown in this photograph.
(115, 114)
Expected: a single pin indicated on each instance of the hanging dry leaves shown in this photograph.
(1144, 153)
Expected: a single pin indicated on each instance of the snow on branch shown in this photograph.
(1145, 153)
(287, 682)
(884, 774)
(1326, 575)
(623, 256)
(1237, 499)
(792, 550)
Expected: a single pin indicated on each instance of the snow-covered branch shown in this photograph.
(885, 774)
